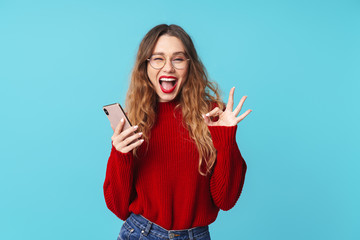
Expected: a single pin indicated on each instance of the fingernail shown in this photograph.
(142, 140)
(135, 127)
(203, 115)
(122, 120)
(207, 114)
(140, 133)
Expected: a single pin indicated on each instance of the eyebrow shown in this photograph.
(161, 53)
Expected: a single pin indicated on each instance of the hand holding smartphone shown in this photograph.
(124, 138)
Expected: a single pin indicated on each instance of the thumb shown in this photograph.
(207, 120)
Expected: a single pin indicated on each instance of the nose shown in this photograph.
(168, 66)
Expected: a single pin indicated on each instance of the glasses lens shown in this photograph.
(157, 61)
(179, 62)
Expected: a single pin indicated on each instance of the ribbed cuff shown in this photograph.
(223, 136)
(125, 157)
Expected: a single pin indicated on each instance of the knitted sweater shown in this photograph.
(163, 182)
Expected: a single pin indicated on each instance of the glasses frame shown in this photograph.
(172, 64)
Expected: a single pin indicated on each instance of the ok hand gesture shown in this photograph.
(227, 117)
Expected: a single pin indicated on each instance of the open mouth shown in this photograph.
(168, 84)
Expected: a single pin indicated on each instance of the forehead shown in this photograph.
(168, 45)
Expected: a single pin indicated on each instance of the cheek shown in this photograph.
(151, 75)
(184, 76)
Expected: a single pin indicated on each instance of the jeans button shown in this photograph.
(171, 235)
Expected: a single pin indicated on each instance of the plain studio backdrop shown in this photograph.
(297, 61)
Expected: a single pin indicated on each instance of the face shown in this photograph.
(168, 80)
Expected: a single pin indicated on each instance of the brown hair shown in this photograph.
(195, 97)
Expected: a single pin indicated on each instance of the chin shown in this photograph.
(167, 98)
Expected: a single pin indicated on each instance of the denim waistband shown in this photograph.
(147, 226)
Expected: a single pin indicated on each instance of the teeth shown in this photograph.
(167, 79)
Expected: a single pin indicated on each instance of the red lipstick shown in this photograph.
(168, 83)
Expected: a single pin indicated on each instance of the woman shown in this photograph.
(168, 176)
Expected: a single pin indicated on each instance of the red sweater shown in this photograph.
(164, 185)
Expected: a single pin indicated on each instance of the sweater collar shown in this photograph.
(168, 106)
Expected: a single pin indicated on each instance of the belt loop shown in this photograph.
(147, 229)
(191, 234)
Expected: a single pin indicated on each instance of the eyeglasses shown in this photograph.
(159, 61)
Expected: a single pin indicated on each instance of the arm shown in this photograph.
(228, 177)
(119, 180)
(118, 186)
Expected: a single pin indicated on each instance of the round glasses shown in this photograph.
(159, 61)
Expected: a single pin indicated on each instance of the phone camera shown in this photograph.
(106, 112)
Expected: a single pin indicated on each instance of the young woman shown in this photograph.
(169, 175)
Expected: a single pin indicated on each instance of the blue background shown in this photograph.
(297, 61)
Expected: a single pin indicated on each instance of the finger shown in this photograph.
(121, 142)
(132, 138)
(242, 116)
(239, 106)
(132, 146)
(127, 132)
(207, 120)
(215, 112)
(119, 127)
(230, 103)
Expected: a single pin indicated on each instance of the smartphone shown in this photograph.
(115, 113)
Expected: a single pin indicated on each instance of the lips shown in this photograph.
(168, 83)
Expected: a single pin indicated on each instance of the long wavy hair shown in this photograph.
(197, 96)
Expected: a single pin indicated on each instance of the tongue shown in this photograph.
(167, 85)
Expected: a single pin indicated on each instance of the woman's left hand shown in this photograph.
(227, 117)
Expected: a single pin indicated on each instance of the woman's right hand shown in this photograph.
(125, 141)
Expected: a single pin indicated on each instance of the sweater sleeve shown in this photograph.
(228, 176)
(118, 185)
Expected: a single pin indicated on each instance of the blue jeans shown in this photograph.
(137, 227)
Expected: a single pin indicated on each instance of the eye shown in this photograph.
(179, 59)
